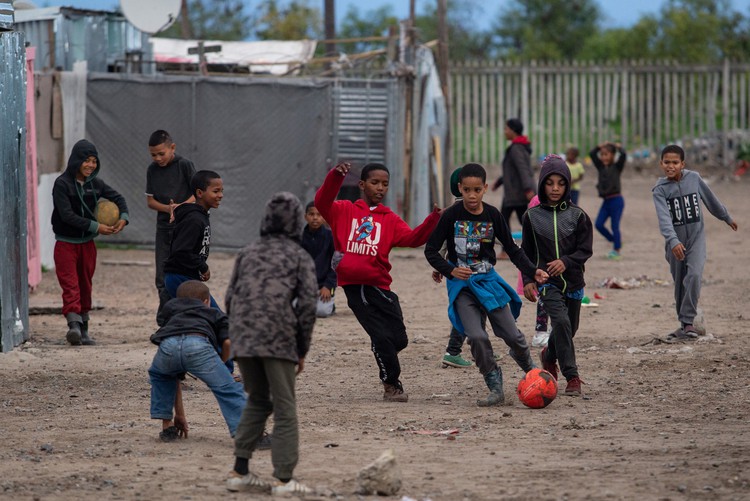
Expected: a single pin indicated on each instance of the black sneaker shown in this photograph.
(169, 434)
(264, 443)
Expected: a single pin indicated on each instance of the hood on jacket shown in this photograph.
(554, 164)
(80, 152)
(523, 141)
(184, 209)
(284, 216)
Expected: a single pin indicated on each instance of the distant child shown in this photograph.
(271, 302)
(610, 191)
(364, 232)
(470, 229)
(317, 240)
(75, 196)
(677, 197)
(188, 253)
(576, 173)
(167, 187)
(558, 236)
(190, 340)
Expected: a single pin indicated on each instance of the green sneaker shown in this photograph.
(455, 361)
(614, 255)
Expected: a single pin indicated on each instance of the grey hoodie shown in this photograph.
(678, 209)
(273, 293)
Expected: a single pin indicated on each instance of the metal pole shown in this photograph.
(330, 26)
(443, 71)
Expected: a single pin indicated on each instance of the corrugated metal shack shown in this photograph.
(106, 40)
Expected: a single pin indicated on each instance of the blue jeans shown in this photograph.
(611, 209)
(171, 282)
(194, 354)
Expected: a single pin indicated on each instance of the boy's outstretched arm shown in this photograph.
(326, 194)
(714, 205)
(433, 247)
(407, 237)
(180, 420)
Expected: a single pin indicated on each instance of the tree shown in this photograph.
(372, 23)
(213, 20)
(614, 44)
(546, 29)
(465, 41)
(296, 21)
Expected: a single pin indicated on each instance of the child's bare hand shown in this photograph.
(530, 292)
(301, 365)
(437, 277)
(541, 276)
(105, 230)
(119, 225)
(325, 294)
(556, 268)
(181, 424)
(343, 168)
(172, 207)
(206, 276)
(733, 225)
(461, 273)
(679, 251)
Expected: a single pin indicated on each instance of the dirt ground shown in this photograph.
(659, 421)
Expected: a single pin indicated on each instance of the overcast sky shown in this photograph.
(618, 12)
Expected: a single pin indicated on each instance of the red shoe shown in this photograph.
(550, 367)
(574, 387)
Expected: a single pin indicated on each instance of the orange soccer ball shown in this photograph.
(537, 389)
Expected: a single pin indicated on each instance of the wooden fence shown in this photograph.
(642, 105)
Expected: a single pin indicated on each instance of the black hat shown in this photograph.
(515, 125)
(454, 183)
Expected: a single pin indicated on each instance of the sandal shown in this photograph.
(169, 434)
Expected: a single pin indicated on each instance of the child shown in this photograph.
(677, 197)
(541, 324)
(470, 229)
(75, 195)
(167, 187)
(271, 302)
(190, 340)
(518, 178)
(576, 173)
(192, 234)
(609, 189)
(317, 240)
(365, 231)
(558, 236)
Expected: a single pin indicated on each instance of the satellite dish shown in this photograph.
(151, 16)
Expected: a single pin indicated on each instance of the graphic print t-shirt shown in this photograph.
(685, 209)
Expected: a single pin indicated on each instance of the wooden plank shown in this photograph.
(474, 117)
(483, 131)
(575, 123)
(492, 126)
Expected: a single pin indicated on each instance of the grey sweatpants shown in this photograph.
(503, 324)
(268, 379)
(687, 275)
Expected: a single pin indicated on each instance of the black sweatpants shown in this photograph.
(564, 314)
(379, 313)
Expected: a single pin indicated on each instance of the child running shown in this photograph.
(74, 197)
(470, 229)
(364, 232)
(610, 190)
(558, 236)
(677, 197)
(271, 302)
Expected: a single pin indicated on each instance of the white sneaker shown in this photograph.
(249, 482)
(540, 339)
(291, 488)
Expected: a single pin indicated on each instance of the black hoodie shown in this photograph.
(190, 242)
(185, 315)
(561, 231)
(74, 213)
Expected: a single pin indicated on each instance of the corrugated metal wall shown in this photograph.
(14, 290)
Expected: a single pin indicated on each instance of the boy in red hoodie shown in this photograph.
(364, 232)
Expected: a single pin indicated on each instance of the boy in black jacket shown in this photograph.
(75, 196)
(192, 234)
(167, 187)
(191, 339)
(558, 235)
(317, 240)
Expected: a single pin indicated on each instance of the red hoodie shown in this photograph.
(365, 236)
